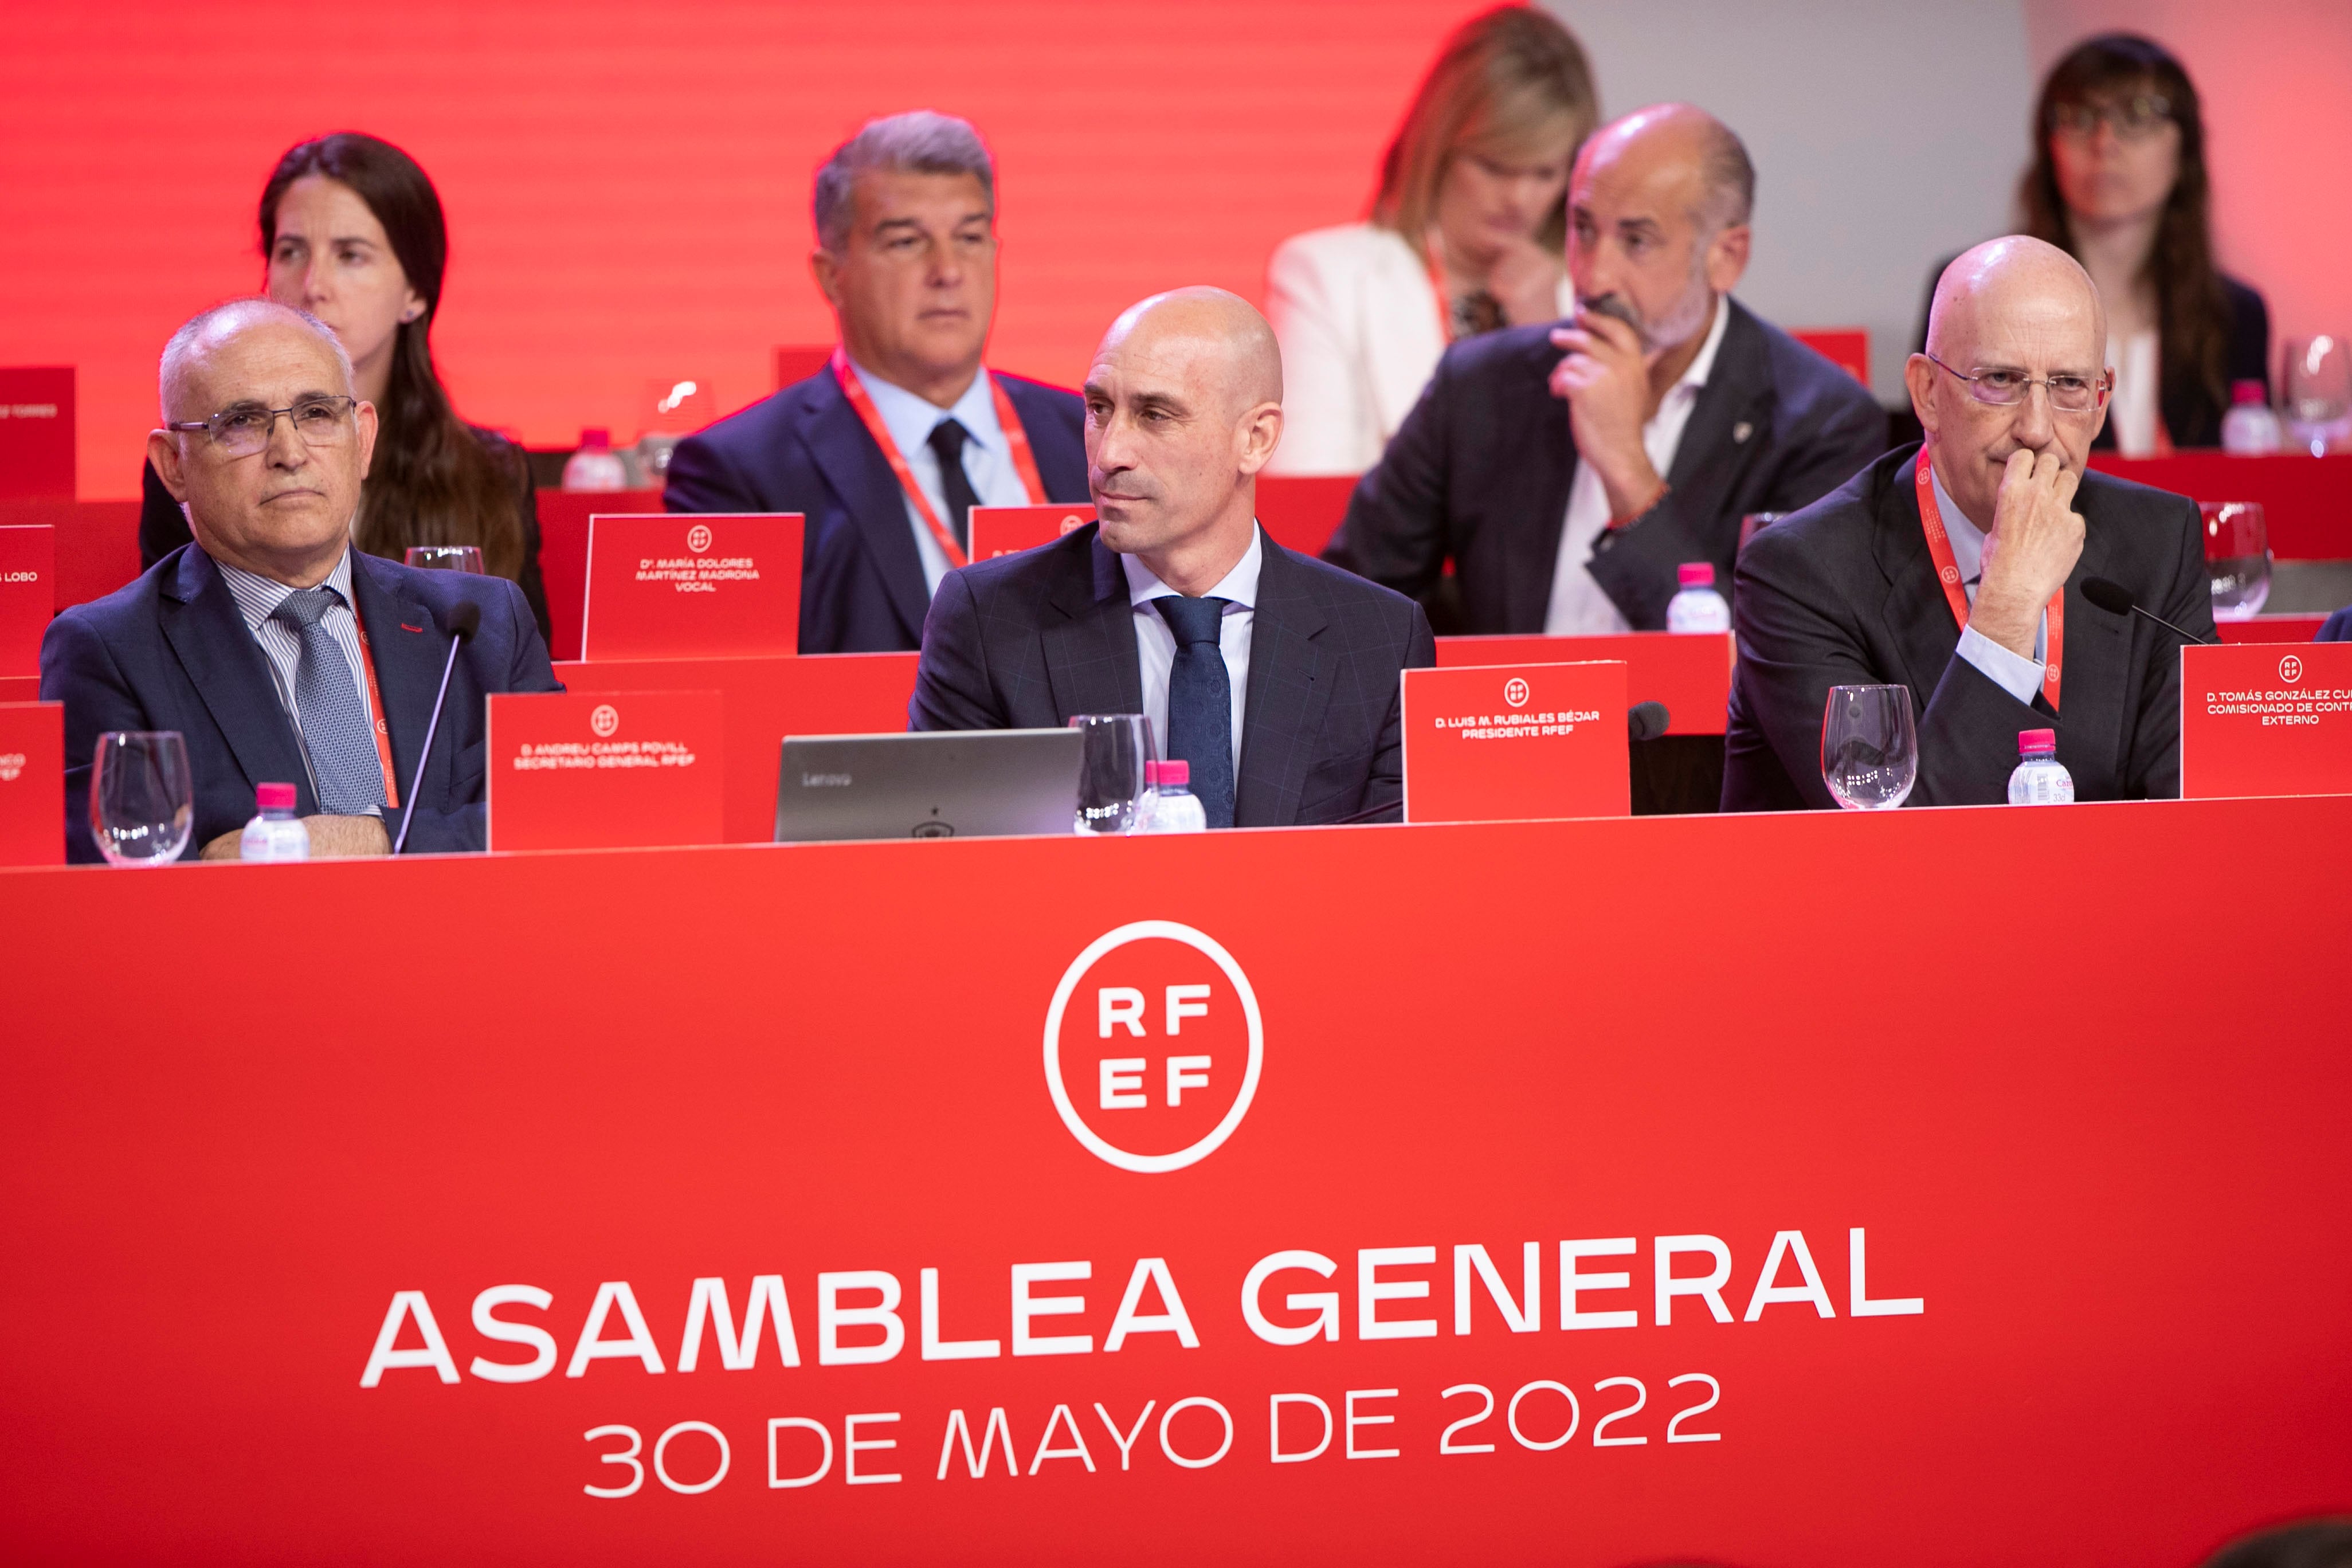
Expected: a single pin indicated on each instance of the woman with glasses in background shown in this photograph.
(1465, 236)
(2118, 181)
(351, 232)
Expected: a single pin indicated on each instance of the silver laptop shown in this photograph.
(955, 784)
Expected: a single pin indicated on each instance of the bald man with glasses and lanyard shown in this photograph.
(1955, 568)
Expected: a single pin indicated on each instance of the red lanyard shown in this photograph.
(376, 707)
(1016, 441)
(1948, 572)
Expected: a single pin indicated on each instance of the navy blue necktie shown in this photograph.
(1200, 701)
(946, 442)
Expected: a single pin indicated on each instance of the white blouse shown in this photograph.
(1361, 332)
(2135, 410)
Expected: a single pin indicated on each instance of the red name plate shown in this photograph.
(32, 784)
(1688, 672)
(28, 596)
(1006, 530)
(585, 770)
(2266, 719)
(692, 587)
(766, 700)
(36, 432)
(1508, 742)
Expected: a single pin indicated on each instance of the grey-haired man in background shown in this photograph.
(906, 253)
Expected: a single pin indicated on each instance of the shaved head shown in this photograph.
(2011, 311)
(2002, 276)
(1222, 325)
(1183, 407)
(1722, 186)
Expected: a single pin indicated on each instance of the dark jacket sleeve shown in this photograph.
(1395, 530)
(2338, 627)
(702, 480)
(1797, 638)
(78, 671)
(514, 463)
(1386, 785)
(951, 685)
(2152, 765)
(464, 827)
(162, 526)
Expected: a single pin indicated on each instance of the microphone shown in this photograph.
(463, 622)
(2117, 600)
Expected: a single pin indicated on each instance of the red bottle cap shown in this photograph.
(2028, 742)
(1150, 772)
(2244, 392)
(1695, 574)
(1176, 770)
(273, 797)
(596, 440)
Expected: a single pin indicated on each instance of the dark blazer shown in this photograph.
(1025, 641)
(2338, 627)
(172, 652)
(163, 526)
(2191, 417)
(1844, 593)
(1480, 472)
(805, 451)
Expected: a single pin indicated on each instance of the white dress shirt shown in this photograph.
(1155, 642)
(987, 457)
(2021, 678)
(1579, 605)
(257, 597)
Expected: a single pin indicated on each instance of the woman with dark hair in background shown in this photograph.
(352, 231)
(2118, 181)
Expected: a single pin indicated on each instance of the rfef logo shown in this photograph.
(2291, 668)
(1515, 692)
(605, 720)
(1153, 1047)
(698, 538)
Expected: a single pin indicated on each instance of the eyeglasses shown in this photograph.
(2134, 119)
(2008, 388)
(244, 428)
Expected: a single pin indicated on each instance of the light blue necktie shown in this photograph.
(333, 720)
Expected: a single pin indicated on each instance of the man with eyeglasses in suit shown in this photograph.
(278, 651)
(1955, 567)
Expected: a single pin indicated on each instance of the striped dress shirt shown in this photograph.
(257, 596)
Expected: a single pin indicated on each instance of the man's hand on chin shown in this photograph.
(2036, 538)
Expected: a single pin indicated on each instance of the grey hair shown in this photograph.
(1729, 175)
(922, 143)
(233, 313)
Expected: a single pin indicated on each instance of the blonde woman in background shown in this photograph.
(1465, 237)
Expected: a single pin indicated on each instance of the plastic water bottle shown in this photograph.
(2039, 778)
(2249, 429)
(1174, 808)
(1698, 607)
(595, 466)
(274, 833)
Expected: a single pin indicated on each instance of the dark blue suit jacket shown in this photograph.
(1025, 641)
(805, 451)
(172, 652)
(2338, 627)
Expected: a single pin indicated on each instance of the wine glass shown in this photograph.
(447, 558)
(1870, 752)
(142, 800)
(1110, 778)
(2237, 558)
(2318, 382)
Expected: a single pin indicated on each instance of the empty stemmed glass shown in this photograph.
(2237, 558)
(142, 800)
(447, 558)
(1111, 780)
(1870, 752)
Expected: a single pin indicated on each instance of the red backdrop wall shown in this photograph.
(627, 184)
